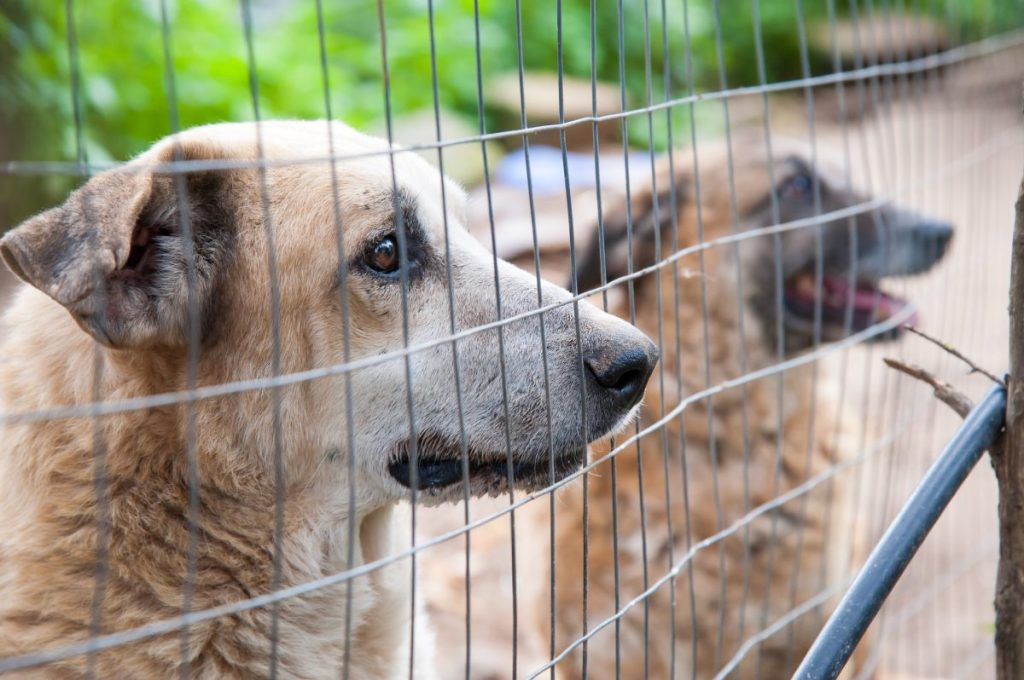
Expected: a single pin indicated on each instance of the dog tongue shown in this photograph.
(836, 294)
(864, 296)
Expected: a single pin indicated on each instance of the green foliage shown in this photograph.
(124, 85)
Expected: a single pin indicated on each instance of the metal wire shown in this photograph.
(987, 46)
(718, 536)
(882, 117)
(150, 630)
(1007, 136)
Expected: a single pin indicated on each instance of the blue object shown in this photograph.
(547, 172)
(837, 640)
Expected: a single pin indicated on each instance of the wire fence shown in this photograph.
(301, 421)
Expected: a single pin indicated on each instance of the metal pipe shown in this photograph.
(837, 640)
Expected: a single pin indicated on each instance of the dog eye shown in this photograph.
(795, 186)
(382, 256)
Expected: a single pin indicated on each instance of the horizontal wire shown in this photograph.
(778, 501)
(925, 596)
(975, 661)
(97, 409)
(172, 624)
(954, 55)
(780, 623)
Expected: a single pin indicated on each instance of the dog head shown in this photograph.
(300, 264)
(830, 267)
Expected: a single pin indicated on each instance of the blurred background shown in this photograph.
(947, 141)
(119, 47)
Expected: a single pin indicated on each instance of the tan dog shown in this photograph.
(726, 455)
(141, 260)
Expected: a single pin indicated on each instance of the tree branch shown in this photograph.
(975, 368)
(946, 393)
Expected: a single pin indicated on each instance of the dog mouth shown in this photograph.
(441, 465)
(861, 304)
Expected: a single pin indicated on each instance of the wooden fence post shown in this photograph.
(1009, 467)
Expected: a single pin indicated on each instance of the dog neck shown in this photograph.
(104, 510)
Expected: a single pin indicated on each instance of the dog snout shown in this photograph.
(622, 371)
(933, 237)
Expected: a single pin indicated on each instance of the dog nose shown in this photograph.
(934, 236)
(623, 373)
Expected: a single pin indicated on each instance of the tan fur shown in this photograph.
(699, 462)
(54, 530)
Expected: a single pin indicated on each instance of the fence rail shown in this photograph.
(711, 538)
(889, 559)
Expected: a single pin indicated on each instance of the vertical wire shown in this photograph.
(780, 337)
(463, 443)
(81, 152)
(275, 357)
(620, 29)
(976, 249)
(819, 273)
(880, 229)
(674, 220)
(893, 85)
(99, 441)
(930, 420)
(648, 90)
(880, 95)
(900, 168)
(510, 471)
(889, 386)
(192, 362)
(688, 528)
(853, 237)
(912, 112)
(560, 66)
(602, 264)
(955, 312)
(102, 507)
(688, 523)
(523, 123)
(705, 327)
(572, 241)
(880, 92)
(741, 304)
(403, 256)
(902, 55)
(874, 91)
(346, 347)
(857, 484)
(930, 91)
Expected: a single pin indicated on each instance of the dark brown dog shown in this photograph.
(694, 574)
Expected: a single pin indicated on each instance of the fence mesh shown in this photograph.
(763, 191)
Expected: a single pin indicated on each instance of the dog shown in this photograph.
(227, 255)
(682, 538)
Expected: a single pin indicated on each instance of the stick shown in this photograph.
(975, 368)
(946, 393)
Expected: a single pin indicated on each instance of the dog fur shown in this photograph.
(243, 271)
(705, 469)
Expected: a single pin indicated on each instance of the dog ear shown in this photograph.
(631, 237)
(119, 252)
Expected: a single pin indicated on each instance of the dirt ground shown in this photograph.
(950, 145)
